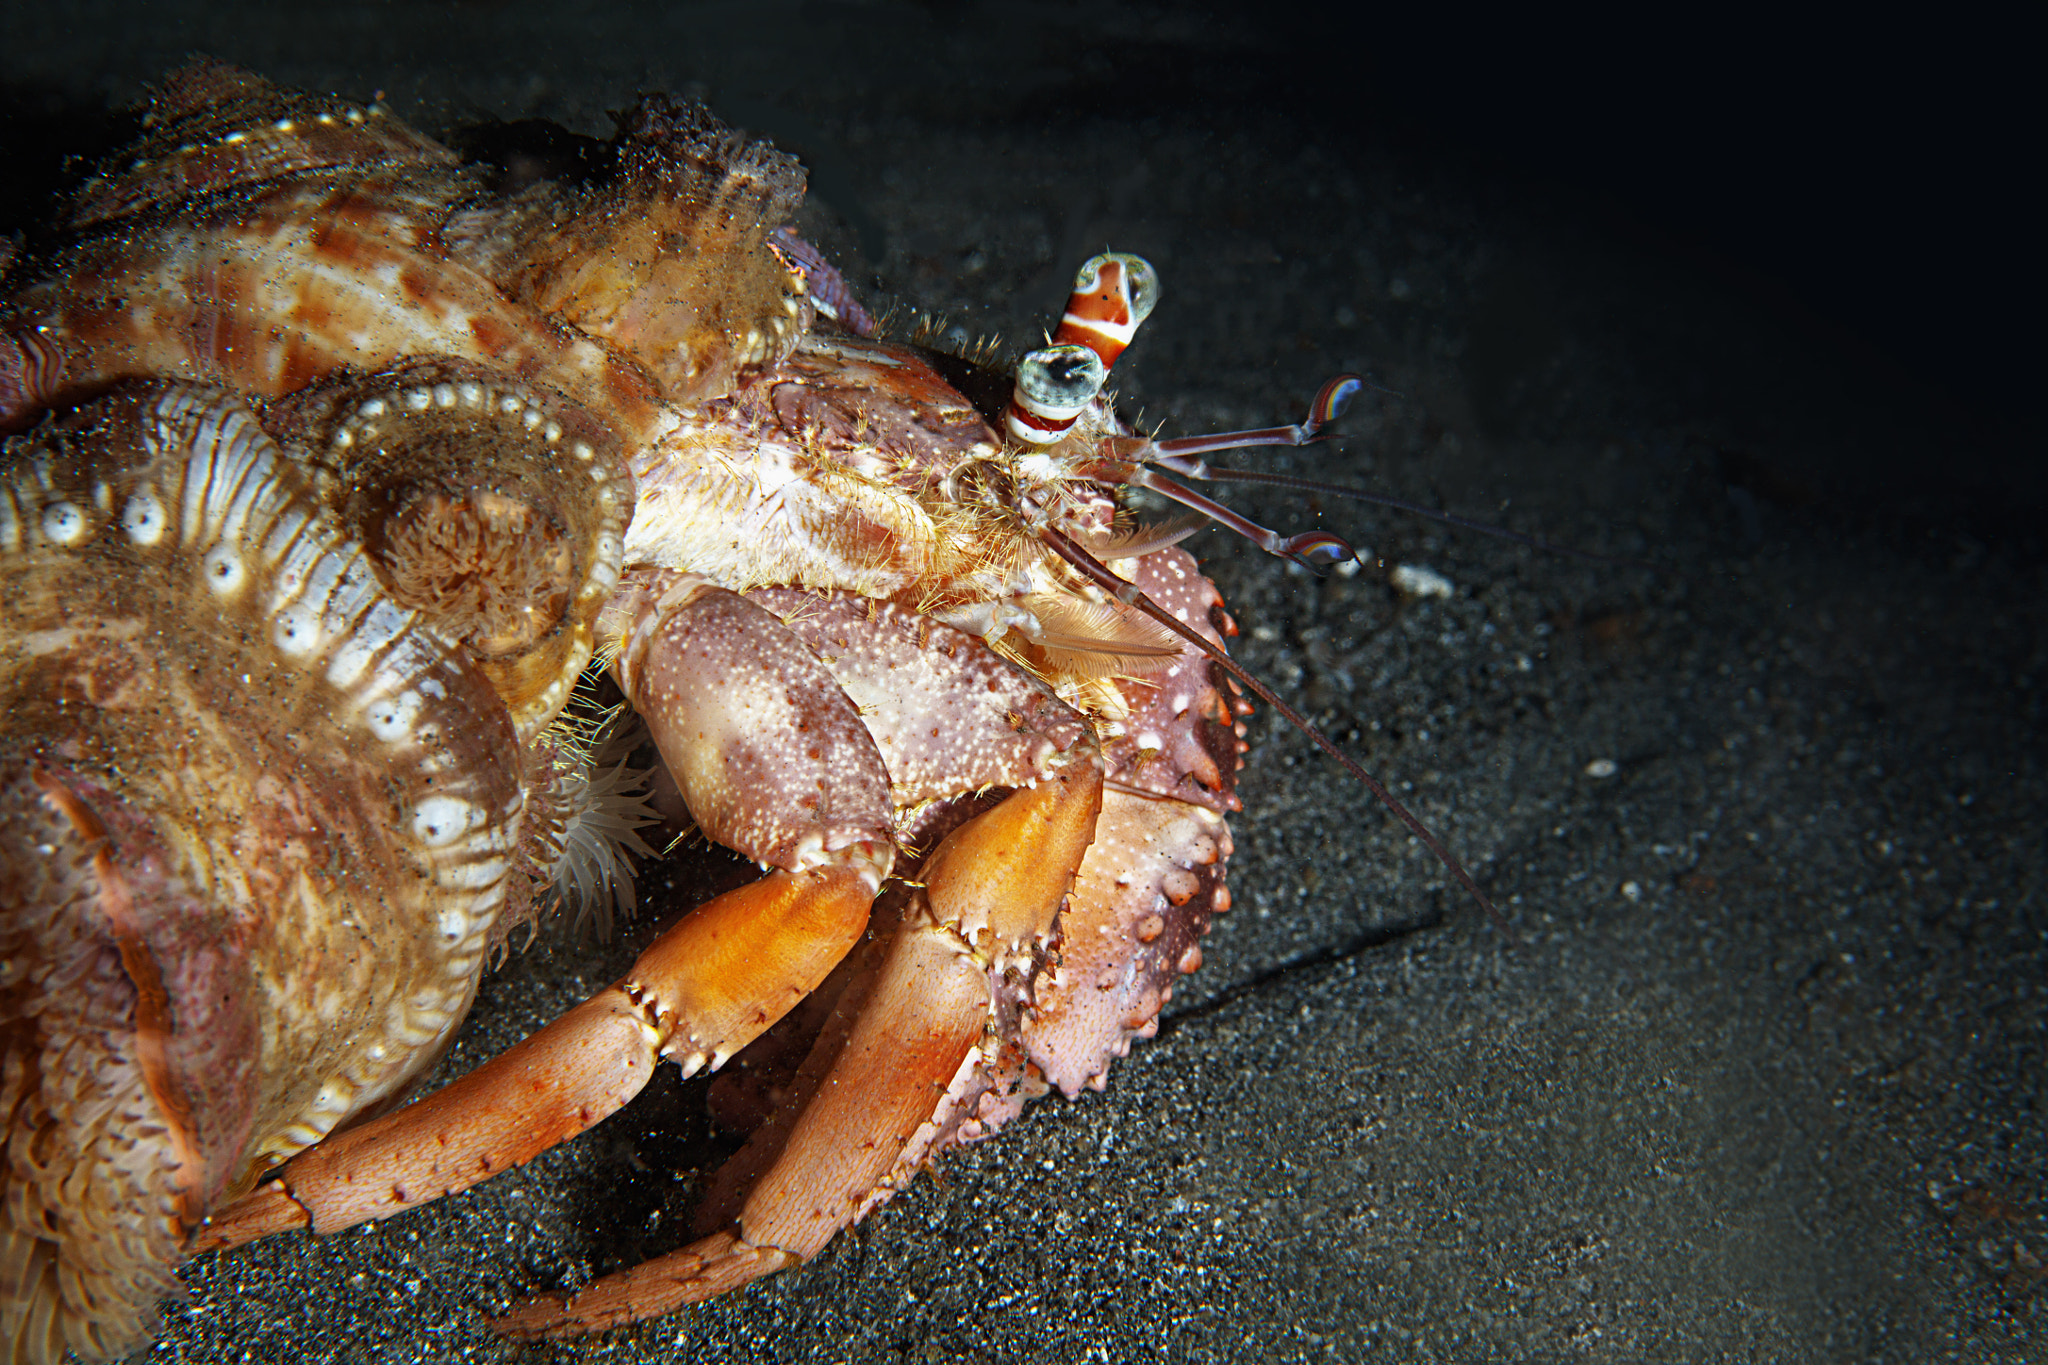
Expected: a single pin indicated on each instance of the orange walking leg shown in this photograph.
(773, 760)
(861, 1132)
(702, 991)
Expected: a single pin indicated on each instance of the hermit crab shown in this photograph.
(342, 462)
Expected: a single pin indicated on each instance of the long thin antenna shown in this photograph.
(1131, 595)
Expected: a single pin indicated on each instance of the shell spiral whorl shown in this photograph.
(496, 509)
(233, 773)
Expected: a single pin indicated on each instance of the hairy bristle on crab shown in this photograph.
(226, 758)
(674, 263)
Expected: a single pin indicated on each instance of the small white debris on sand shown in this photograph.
(1416, 581)
(1602, 767)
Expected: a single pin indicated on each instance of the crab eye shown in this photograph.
(1064, 378)
(1113, 293)
(1054, 386)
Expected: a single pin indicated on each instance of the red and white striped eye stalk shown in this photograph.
(1113, 294)
(1056, 385)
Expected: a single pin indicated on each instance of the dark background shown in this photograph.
(1766, 1079)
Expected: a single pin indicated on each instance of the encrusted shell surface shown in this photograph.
(496, 508)
(256, 821)
(266, 240)
(671, 263)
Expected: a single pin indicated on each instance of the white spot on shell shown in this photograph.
(297, 631)
(222, 568)
(444, 395)
(64, 524)
(419, 400)
(376, 407)
(440, 820)
(390, 718)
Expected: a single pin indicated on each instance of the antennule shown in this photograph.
(1315, 550)
(1326, 407)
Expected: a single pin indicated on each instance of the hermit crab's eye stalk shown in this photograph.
(1113, 293)
(1054, 386)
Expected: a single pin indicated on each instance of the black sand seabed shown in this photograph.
(1765, 1080)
